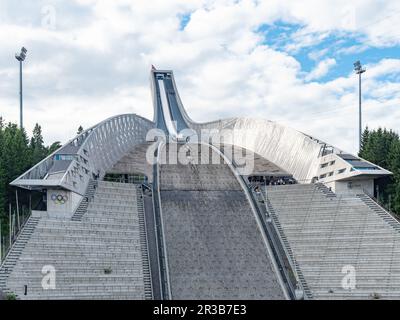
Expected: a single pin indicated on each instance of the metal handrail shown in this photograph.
(84, 202)
(147, 186)
(382, 205)
(14, 240)
(139, 190)
(161, 248)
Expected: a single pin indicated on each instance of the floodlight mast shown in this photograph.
(359, 70)
(21, 57)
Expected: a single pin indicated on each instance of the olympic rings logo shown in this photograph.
(59, 198)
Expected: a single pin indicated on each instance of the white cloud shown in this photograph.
(318, 54)
(95, 63)
(321, 69)
(384, 67)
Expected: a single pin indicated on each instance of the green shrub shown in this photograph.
(11, 296)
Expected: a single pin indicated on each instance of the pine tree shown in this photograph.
(54, 146)
(394, 159)
(382, 147)
(15, 159)
(17, 154)
(364, 142)
(376, 146)
(3, 182)
(15, 151)
(37, 147)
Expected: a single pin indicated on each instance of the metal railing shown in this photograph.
(16, 229)
(104, 146)
(98, 149)
(14, 237)
(382, 206)
(147, 186)
(161, 246)
(86, 199)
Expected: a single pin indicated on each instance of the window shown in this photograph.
(341, 171)
(332, 163)
(68, 157)
(330, 174)
(322, 176)
(324, 165)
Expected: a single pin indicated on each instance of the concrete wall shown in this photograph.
(355, 186)
(332, 167)
(62, 208)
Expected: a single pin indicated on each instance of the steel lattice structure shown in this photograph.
(98, 148)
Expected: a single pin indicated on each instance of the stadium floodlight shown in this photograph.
(359, 70)
(20, 57)
(358, 67)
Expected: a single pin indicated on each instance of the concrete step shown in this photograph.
(108, 233)
(121, 295)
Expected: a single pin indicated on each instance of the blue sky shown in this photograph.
(279, 34)
(288, 61)
(184, 20)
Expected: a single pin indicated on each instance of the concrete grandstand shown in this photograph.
(236, 208)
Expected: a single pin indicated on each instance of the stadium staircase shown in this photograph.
(82, 208)
(103, 256)
(333, 238)
(15, 252)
